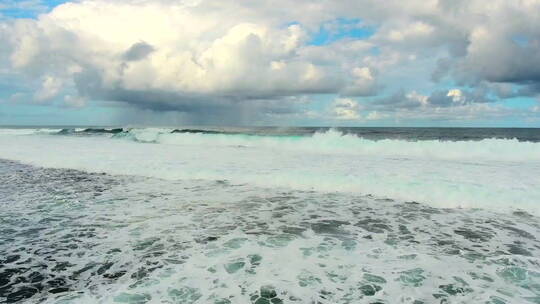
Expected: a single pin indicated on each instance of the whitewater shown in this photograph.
(154, 215)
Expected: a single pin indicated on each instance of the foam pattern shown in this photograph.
(68, 236)
(493, 174)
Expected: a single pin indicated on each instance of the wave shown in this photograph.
(200, 131)
(79, 131)
(492, 173)
(63, 131)
(331, 141)
(28, 131)
(335, 142)
(91, 131)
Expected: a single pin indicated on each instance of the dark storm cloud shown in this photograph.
(437, 99)
(532, 89)
(398, 100)
(505, 64)
(138, 51)
(443, 98)
(198, 108)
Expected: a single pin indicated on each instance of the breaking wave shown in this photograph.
(85, 131)
(496, 174)
(206, 216)
(335, 142)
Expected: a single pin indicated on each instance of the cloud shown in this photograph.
(50, 88)
(438, 99)
(74, 101)
(257, 59)
(457, 97)
(363, 83)
(181, 57)
(375, 115)
(345, 109)
(138, 51)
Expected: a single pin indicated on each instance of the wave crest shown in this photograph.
(336, 142)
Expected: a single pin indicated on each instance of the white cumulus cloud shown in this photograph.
(242, 57)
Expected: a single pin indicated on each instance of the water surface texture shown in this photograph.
(185, 216)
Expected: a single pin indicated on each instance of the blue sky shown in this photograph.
(341, 28)
(27, 8)
(351, 65)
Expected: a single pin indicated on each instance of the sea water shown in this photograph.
(269, 215)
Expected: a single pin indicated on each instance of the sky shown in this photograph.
(436, 63)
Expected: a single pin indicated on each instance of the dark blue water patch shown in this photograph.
(200, 131)
(90, 131)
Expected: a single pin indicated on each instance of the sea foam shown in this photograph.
(73, 237)
(495, 174)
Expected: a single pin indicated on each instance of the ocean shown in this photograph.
(269, 215)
